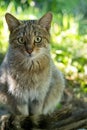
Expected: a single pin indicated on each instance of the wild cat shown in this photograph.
(30, 83)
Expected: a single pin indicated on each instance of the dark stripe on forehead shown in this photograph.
(29, 22)
(33, 21)
(26, 24)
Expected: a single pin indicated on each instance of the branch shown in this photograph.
(64, 119)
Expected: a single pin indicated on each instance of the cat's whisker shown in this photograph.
(38, 63)
(31, 66)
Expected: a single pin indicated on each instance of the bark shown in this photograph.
(63, 119)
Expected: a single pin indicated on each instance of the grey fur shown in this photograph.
(30, 83)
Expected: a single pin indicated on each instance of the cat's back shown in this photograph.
(57, 76)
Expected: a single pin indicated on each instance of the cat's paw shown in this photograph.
(4, 122)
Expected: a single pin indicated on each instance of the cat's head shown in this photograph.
(29, 37)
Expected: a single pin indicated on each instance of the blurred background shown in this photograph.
(68, 35)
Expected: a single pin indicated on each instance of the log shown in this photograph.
(64, 119)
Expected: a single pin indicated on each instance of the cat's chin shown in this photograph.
(28, 54)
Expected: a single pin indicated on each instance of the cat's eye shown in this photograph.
(38, 39)
(21, 40)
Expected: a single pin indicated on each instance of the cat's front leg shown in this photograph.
(3, 76)
(8, 102)
(35, 107)
(23, 108)
(53, 97)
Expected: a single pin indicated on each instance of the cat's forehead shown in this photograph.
(29, 22)
(29, 26)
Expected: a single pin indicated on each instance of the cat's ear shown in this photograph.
(11, 21)
(45, 21)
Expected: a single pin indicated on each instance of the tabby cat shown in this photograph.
(30, 83)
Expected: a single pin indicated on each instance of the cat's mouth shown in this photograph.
(29, 52)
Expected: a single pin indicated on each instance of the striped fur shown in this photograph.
(31, 82)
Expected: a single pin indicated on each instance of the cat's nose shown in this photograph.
(28, 47)
(29, 50)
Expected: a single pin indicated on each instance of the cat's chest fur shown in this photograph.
(26, 85)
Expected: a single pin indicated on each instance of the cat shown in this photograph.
(30, 83)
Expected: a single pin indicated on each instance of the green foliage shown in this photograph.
(69, 32)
